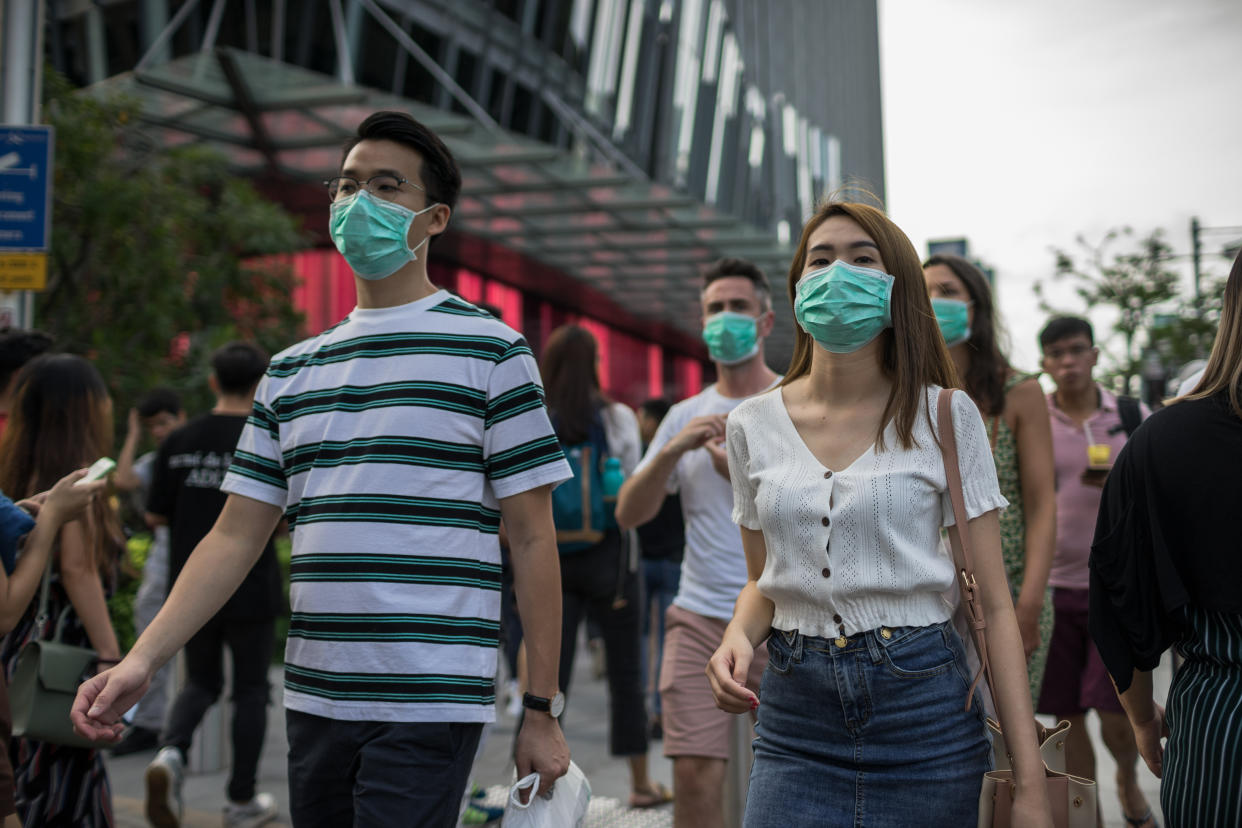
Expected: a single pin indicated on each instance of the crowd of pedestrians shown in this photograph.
(771, 546)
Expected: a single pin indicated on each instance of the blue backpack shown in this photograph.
(579, 510)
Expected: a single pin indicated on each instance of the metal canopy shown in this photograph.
(638, 241)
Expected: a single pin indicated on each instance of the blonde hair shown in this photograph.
(914, 353)
(1224, 365)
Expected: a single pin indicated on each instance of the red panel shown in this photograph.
(469, 285)
(655, 371)
(509, 300)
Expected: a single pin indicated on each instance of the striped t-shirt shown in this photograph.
(388, 441)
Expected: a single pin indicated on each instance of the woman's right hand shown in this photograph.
(67, 499)
(727, 670)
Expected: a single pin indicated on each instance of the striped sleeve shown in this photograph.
(520, 449)
(257, 471)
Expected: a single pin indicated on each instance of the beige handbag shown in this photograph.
(1051, 745)
(1073, 799)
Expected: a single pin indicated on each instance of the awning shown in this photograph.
(638, 242)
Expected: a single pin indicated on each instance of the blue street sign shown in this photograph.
(25, 187)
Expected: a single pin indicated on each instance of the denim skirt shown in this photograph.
(868, 730)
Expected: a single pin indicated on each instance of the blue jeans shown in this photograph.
(661, 577)
(869, 734)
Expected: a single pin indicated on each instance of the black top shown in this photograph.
(185, 490)
(663, 538)
(1169, 533)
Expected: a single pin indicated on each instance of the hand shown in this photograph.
(1031, 808)
(97, 709)
(697, 432)
(541, 749)
(1147, 736)
(1028, 627)
(66, 500)
(727, 670)
(1094, 477)
(720, 457)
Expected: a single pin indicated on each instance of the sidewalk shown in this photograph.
(586, 728)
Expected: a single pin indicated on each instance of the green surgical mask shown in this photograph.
(371, 234)
(953, 316)
(844, 306)
(731, 338)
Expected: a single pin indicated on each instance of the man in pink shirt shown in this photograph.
(1089, 427)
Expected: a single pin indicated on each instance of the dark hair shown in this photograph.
(159, 400)
(17, 347)
(656, 408)
(440, 173)
(988, 370)
(726, 267)
(571, 382)
(59, 422)
(914, 355)
(1063, 327)
(238, 367)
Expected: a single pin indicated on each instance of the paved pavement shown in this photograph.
(586, 727)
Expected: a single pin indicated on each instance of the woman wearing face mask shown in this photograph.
(1016, 417)
(840, 491)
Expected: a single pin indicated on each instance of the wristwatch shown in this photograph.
(554, 706)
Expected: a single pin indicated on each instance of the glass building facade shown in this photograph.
(610, 148)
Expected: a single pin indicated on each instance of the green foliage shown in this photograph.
(149, 264)
(1136, 283)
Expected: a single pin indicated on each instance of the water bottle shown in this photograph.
(613, 477)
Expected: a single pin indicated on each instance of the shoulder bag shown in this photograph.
(46, 679)
(1072, 798)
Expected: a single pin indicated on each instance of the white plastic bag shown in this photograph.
(566, 808)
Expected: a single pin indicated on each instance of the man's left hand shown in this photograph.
(541, 749)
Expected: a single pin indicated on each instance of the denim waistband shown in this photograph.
(870, 641)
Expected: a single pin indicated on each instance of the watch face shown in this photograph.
(558, 705)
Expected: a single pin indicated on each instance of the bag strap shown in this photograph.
(44, 590)
(959, 540)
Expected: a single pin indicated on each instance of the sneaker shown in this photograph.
(136, 739)
(259, 811)
(514, 691)
(480, 815)
(164, 777)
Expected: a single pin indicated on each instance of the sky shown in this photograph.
(1021, 125)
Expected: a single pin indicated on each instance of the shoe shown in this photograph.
(599, 663)
(480, 815)
(135, 740)
(514, 691)
(164, 777)
(655, 797)
(259, 811)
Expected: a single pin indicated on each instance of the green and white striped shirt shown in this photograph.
(388, 440)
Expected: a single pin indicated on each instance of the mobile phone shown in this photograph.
(98, 470)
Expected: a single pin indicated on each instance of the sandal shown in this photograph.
(1139, 822)
(658, 795)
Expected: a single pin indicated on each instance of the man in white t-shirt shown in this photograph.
(688, 456)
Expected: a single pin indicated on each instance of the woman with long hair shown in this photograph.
(840, 491)
(62, 420)
(600, 581)
(1020, 433)
(1165, 572)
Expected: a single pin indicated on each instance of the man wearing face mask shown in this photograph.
(687, 456)
(394, 443)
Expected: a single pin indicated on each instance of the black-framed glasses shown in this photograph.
(381, 186)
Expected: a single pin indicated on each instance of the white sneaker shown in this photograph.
(259, 811)
(164, 776)
(514, 691)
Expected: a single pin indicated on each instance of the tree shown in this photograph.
(158, 255)
(1136, 283)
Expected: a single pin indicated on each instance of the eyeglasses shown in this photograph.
(1075, 351)
(381, 186)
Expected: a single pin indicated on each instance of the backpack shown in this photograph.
(1130, 414)
(579, 510)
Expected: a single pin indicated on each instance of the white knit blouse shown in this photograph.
(854, 549)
